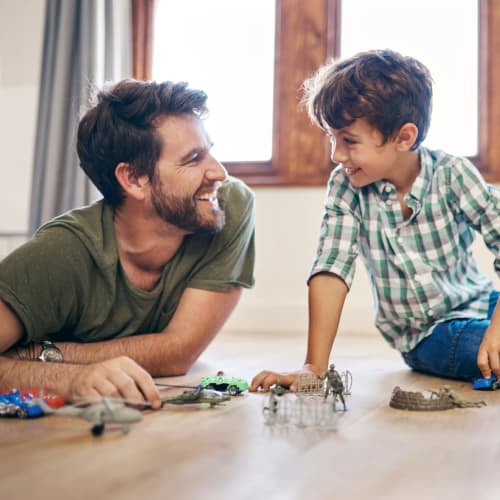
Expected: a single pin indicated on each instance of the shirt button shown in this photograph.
(388, 203)
(387, 188)
(430, 312)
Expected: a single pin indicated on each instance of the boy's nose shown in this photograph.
(338, 155)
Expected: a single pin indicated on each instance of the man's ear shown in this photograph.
(407, 136)
(132, 185)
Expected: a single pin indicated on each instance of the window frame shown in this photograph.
(310, 32)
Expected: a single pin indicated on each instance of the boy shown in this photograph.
(411, 213)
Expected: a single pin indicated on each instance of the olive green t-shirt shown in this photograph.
(67, 283)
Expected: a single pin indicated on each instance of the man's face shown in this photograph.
(358, 147)
(184, 187)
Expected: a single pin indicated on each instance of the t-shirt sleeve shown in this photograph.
(230, 258)
(39, 282)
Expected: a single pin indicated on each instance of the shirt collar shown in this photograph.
(421, 184)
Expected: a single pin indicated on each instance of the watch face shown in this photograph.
(52, 355)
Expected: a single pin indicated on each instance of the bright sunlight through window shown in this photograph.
(226, 48)
(443, 34)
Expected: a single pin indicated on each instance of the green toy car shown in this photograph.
(224, 383)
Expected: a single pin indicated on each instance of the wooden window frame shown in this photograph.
(307, 34)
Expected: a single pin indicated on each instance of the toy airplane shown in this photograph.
(196, 396)
(105, 411)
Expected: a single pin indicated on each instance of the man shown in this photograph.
(138, 283)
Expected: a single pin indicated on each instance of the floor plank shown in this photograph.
(229, 453)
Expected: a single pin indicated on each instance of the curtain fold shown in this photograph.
(86, 43)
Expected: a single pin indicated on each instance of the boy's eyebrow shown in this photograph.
(348, 132)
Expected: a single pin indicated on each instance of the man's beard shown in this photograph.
(183, 213)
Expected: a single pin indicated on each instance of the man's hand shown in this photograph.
(118, 377)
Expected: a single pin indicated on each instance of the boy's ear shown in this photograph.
(132, 185)
(407, 136)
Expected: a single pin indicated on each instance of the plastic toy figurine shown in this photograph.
(196, 396)
(275, 407)
(106, 411)
(486, 384)
(444, 399)
(309, 383)
(335, 385)
(224, 383)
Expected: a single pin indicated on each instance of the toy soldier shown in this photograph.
(335, 385)
(458, 401)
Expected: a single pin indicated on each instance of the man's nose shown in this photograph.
(216, 171)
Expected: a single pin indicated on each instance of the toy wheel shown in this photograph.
(21, 413)
(233, 390)
(98, 429)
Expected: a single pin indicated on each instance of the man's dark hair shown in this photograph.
(121, 127)
(385, 88)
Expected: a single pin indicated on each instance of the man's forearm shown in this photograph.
(53, 377)
(160, 354)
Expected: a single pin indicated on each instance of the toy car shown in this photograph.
(15, 404)
(23, 404)
(224, 383)
(486, 384)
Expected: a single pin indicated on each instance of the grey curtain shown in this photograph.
(86, 43)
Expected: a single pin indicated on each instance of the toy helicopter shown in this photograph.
(105, 411)
(196, 396)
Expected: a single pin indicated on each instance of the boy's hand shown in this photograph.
(265, 379)
(488, 356)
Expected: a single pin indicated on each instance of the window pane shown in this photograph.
(443, 34)
(226, 48)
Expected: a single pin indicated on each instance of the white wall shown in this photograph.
(21, 38)
(287, 218)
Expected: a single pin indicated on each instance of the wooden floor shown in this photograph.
(228, 452)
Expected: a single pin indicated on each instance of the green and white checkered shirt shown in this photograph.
(421, 269)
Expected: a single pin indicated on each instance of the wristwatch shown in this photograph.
(50, 353)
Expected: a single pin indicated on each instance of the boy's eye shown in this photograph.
(349, 141)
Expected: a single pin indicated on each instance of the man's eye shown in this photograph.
(192, 159)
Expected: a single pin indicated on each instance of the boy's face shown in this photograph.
(359, 148)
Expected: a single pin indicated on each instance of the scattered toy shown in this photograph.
(224, 383)
(24, 403)
(282, 407)
(196, 396)
(104, 411)
(444, 399)
(486, 384)
(309, 383)
(335, 386)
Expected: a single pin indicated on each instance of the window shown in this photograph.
(306, 34)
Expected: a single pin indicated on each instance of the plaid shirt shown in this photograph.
(422, 270)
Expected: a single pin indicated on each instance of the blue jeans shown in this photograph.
(451, 349)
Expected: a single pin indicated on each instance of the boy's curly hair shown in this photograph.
(385, 88)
